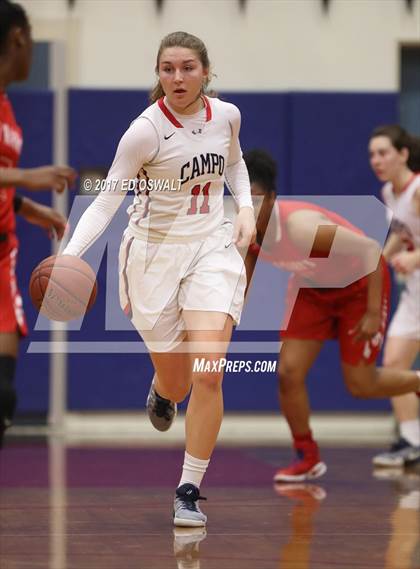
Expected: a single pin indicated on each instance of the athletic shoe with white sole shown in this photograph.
(161, 411)
(308, 465)
(401, 453)
(187, 512)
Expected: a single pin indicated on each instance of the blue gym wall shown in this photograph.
(320, 143)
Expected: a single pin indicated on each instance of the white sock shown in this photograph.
(193, 470)
(410, 431)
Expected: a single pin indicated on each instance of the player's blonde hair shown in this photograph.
(181, 39)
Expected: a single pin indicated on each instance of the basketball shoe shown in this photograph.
(401, 453)
(187, 512)
(161, 411)
(308, 464)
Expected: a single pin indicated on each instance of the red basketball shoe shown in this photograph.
(307, 466)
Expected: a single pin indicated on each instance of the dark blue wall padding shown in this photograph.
(266, 125)
(329, 141)
(97, 120)
(33, 110)
(320, 142)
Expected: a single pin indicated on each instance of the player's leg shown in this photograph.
(12, 326)
(296, 358)
(170, 385)
(208, 336)
(400, 353)
(9, 342)
(205, 408)
(151, 302)
(172, 379)
(366, 381)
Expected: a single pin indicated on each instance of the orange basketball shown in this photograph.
(63, 287)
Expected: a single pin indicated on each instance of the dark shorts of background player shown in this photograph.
(332, 313)
(12, 316)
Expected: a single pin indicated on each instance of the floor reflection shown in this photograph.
(306, 499)
(74, 507)
(187, 546)
(403, 551)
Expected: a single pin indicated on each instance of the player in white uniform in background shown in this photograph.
(182, 279)
(395, 159)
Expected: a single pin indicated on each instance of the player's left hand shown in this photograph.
(48, 218)
(405, 262)
(367, 327)
(244, 231)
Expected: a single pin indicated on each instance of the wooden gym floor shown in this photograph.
(110, 508)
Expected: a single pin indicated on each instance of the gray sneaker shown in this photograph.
(162, 412)
(186, 510)
(401, 453)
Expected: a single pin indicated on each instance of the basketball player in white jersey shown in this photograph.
(395, 159)
(182, 279)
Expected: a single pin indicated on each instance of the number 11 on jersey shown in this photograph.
(195, 192)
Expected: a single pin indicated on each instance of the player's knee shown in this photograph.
(392, 361)
(290, 375)
(210, 380)
(358, 388)
(7, 391)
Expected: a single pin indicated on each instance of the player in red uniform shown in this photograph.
(15, 59)
(322, 249)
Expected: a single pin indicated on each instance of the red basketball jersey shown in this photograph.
(10, 148)
(332, 271)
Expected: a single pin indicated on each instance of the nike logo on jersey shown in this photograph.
(169, 136)
(228, 244)
(199, 131)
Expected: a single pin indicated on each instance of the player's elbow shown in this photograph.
(371, 251)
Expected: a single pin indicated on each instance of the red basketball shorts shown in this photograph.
(333, 313)
(12, 317)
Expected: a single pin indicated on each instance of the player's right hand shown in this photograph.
(244, 231)
(367, 327)
(57, 178)
(405, 262)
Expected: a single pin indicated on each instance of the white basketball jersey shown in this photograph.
(180, 191)
(406, 221)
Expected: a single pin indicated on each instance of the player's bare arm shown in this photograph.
(250, 262)
(313, 231)
(416, 202)
(43, 216)
(57, 178)
(394, 244)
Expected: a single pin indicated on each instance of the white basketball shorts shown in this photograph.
(406, 321)
(157, 281)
